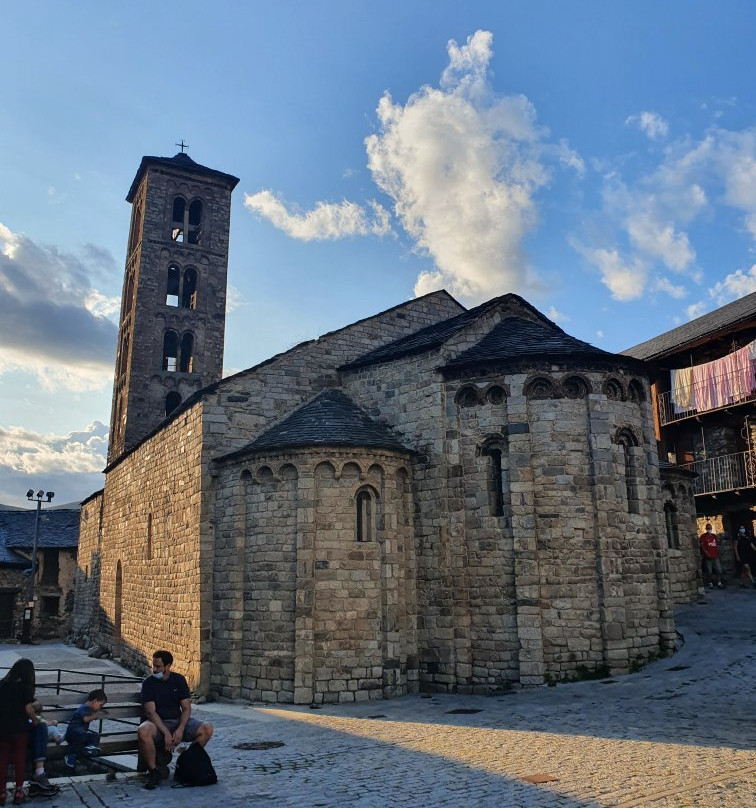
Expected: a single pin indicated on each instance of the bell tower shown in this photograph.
(173, 307)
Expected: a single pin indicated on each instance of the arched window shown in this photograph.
(495, 480)
(627, 442)
(670, 522)
(172, 400)
(365, 515)
(195, 222)
(170, 350)
(635, 391)
(187, 353)
(178, 220)
(189, 289)
(172, 287)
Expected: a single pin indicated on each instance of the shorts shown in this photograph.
(190, 730)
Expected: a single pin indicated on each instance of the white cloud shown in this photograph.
(68, 464)
(696, 310)
(659, 239)
(53, 323)
(663, 284)
(653, 125)
(326, 221)
(736, 284)
(462, 166)
(557, 316)
(624, 278)
(599, 334)
(234, 299)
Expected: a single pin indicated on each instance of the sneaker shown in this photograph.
(70, 761)
(711, 585)
(92, 751)
(39, 784)
(720, 585)
(153, 779)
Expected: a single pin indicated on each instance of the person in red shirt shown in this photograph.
(710, 552)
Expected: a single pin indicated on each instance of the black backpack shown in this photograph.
(194, 768)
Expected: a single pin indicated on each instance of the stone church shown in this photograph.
(432, 498)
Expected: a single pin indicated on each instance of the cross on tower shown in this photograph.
(182, 145)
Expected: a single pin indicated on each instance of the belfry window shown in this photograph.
(187, 353)
(186, 221)
(172, 287)
(189, 289)
(365, 513)
(170, 351)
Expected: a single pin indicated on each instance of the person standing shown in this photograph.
(16, 713)
(744, 552)
(707, 541)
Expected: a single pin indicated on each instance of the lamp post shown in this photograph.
(26, 630)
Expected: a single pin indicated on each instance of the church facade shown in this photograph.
(431, 498)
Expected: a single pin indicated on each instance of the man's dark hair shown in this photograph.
(97, 695)
(165, 656)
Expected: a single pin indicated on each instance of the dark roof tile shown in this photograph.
(182, 162)
(738, 312)
(57, 528)
(330, 419)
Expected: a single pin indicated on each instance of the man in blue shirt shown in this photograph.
(168, 717)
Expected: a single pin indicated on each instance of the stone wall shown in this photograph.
(679, 509)
(13, 583)
(314, 614)
(141, 579)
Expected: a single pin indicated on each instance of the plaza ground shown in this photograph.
(679, 733)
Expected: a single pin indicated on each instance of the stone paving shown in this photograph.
(679, 733)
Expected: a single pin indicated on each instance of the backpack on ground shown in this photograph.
(194, 768)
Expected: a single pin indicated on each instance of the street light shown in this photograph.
(26, 630)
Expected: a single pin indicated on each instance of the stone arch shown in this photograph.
(613, 390)
(467, 396)
(576, 386)
(539, 388)
(635, 391)
(495, 448)
(351, 472)
(496, 394)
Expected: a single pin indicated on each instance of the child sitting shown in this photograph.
(54, 732)
(83, 741)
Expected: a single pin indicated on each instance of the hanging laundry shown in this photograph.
(682, 390)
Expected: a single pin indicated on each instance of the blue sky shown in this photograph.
(597, 158)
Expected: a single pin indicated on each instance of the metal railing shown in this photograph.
(715, 393)
(724, 473)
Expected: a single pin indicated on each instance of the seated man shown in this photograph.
(168, 721)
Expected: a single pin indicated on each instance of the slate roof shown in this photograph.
(516, 337)
(183, 162)
(330, 419)
(57, 529)
(433, 336)
(739, 312)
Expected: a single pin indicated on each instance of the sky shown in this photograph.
(597, 158)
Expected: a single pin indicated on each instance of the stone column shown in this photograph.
(305, 589)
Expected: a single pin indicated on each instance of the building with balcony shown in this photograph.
(704, 396)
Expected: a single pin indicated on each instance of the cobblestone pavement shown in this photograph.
(678, 734)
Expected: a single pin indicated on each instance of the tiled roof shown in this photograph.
(57, 528)
(330, 419)
(516, 337)
(733, 314)
(181, 161)
(436, 335)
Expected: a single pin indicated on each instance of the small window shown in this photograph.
(172, 400)
(170, 351)
(187, 353)
(670, 522)
(50, 568)
(627, 442)
(365, 507)
(495, 481)
(172, 287)
(189, 289)
(50, 606)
